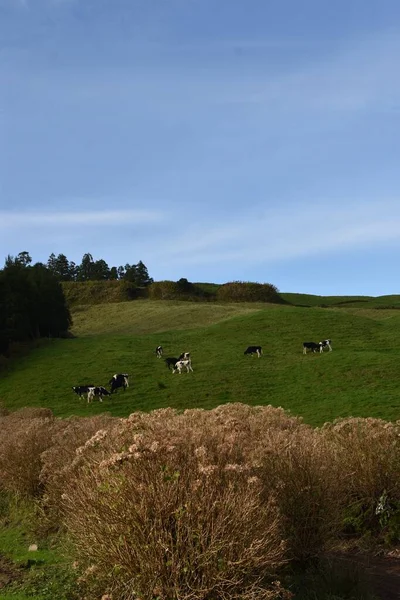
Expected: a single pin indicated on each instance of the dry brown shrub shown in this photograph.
(298, 466)
(31, 412)
(170, 505)
(367, 454)
(57, 459)
(24, 435)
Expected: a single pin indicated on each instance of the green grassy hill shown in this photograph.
(359, 378)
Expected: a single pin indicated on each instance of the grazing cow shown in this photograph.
(325, 344)
(254, 350)
(184, 356)
(183, 363)
(119, 380)
(159, 351)
(310, 346)
(82, 389)
(97, 392)
(171, 362)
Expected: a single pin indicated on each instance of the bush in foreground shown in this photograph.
(57, 459)
(174, 503)
(202, 504)
(24, 435)
(367, 454)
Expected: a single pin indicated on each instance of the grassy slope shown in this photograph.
(391, 301)
(359, 378)
(313, 300)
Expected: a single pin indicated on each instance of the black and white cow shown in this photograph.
(119, 380)
(82, 389)
(159, 351)
(181, 364)
(171, 362)
(97, 392)
(254, 350)
(310, 346)
(325, 344)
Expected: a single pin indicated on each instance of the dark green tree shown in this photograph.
(32, 303)
(138, 274)
(143, 278)
(86, 269)
(50, 312)
(113, 273)
(63, 268)
(101, 270)
(24, 259)
(73, 271)
(52, 263)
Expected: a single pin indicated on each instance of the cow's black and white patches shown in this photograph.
(80, 390)
(254, 350)
(171, 362)
(181, 364)
(325, 344)
(119, 380)
(184, 356)
(159, 351)
(97, 392)
(310, 346)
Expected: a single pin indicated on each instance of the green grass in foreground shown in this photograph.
(359, 378)
(44, 574)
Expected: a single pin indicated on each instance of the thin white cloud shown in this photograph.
(15, 220)
(277, 236)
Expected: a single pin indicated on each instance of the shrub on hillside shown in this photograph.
(177, 507)
(176, 290)
(247, 291)
(367, 452)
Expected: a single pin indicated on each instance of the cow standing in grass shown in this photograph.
(325, 344)
(181, 364)
(97, 392)
(254, 350)
(80, 390)
(119, 380)
(171, 362)
(310, 346)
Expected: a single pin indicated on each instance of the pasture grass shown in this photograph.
(152, 316)
(383, 302)
(314, 300)
(44, 574)
(359, 378)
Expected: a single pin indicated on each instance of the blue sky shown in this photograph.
(215, 140)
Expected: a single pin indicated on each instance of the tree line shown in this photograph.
(97, 270)
(32, 301)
